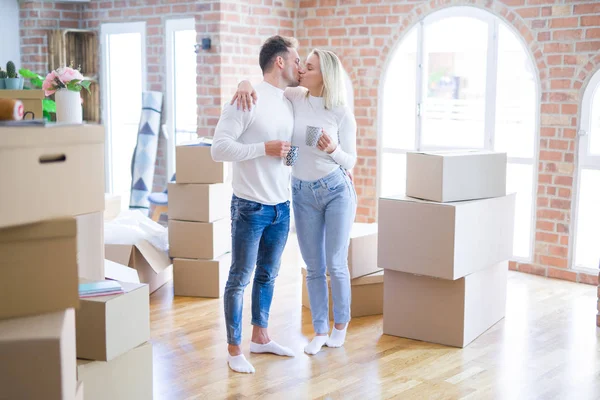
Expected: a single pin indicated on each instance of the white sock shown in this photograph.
(240, 364)
(315, 345)
(271, 347)
(337, 337)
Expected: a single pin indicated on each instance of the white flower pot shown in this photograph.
(68, 106)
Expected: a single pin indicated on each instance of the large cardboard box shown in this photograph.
(153, 266)
(199, 240)
(37, 357)
(108, 326)
(38, 265)
(127, 377)
(195, 164)
(50, 172)
(199, 202)
(362, 252)
(201, 278)
(367, 295)
(445, 240)
(90, 246)
(455, 175)
(453, 313)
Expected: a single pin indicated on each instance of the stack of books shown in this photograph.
(102, 288)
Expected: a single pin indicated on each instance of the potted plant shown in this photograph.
(66, 84)
(2, 79)
(12, 81)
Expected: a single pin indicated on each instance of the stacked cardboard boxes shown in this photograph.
(199, 223)
(51, 234)
(445, 248)
(365, 276)
(114, 357)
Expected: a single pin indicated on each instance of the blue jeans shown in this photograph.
(324, 212)
(259, 233)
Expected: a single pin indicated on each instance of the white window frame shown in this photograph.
(584, 161)
(105, 31)
(172, 26)
(490, 111)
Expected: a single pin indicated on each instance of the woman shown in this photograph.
(323, 195)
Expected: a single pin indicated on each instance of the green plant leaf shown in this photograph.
(86, 85)
(25, 73)
(37, 82)
(49, 106)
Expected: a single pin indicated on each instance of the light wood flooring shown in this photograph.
(547, 347)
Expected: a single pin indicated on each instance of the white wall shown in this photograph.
(10, 46)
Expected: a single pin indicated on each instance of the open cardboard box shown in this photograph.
(153, 266)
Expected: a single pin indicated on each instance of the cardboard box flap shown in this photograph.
(51, 136)
(119, 253)
(55, 228)
(119, 272)
(158, 260)
(44, 326)
(362, 229)
(375, 277)
(457, 153)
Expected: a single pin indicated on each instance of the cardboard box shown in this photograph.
(194, 164)
(90, 246)
(445, 240)
(362, 252)
(367, 295)
(38, 265)
(50, 172)
(32, 101)
(199, 240)
(37, 357)
(453, 313)
(108, 326)
(127, 377)
(199, 202)
(201, 278)
(119, 272)
(455, 175)
(79, 392)
(152, 265)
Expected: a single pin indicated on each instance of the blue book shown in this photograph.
(102, 288)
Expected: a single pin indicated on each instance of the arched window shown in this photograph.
(587, 213)
(459, 79)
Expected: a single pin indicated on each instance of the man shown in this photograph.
(256, 142)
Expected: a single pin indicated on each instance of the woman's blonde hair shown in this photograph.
(334, 88)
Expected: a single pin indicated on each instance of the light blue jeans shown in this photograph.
(324, 211)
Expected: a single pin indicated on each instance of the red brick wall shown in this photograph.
(563, 39)
(237, 28)
(36, 18)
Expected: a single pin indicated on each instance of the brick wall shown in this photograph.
(563, 37)
(238, 29)
(36, 18)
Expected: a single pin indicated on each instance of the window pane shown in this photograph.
(595, 124)
(393, 178)
(399, 107)
(587, 251)
(184, 63)
(455, 58)
(515, 98)
(519, 180)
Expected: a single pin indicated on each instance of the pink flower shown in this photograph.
(49, 85)
(67, 74)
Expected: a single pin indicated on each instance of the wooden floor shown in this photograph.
(547, 347)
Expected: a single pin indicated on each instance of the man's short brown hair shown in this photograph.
(272, 48)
